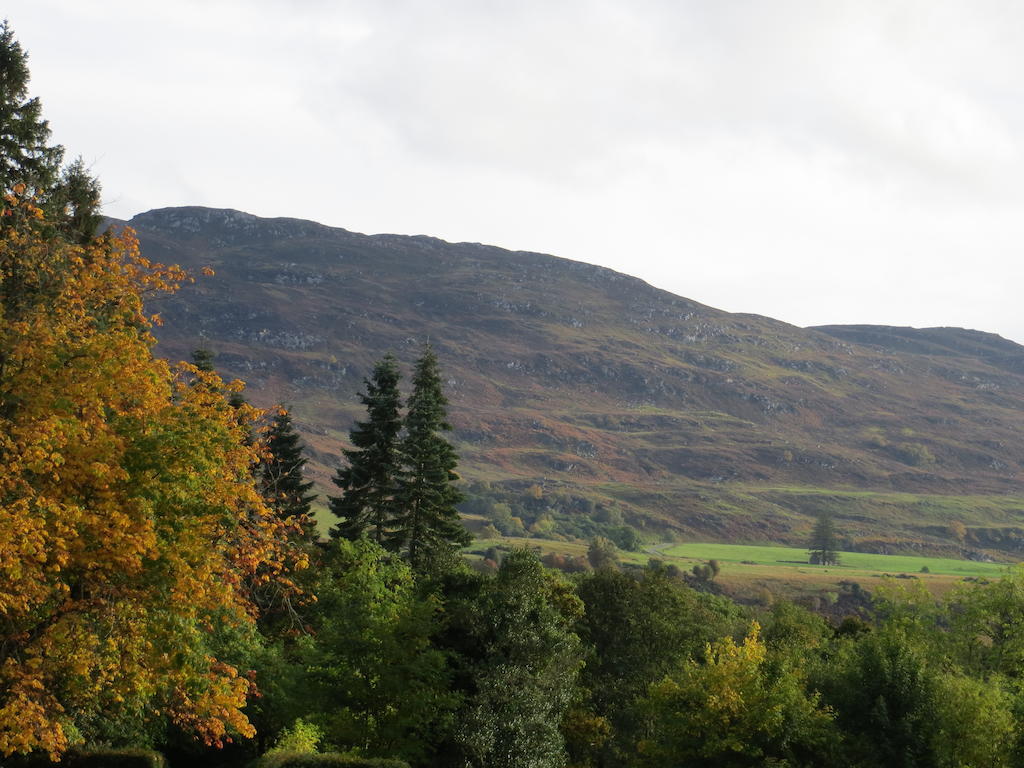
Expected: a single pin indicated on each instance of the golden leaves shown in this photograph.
(130, 520)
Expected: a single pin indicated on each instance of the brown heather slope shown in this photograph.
(595, 386)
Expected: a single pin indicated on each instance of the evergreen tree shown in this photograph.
(25, 156)
(202, 359)
(29, 165)
(369, 482)
(428, 523)
(824, 545)
(284, 487)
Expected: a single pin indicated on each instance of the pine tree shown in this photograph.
(824, 546)
(281, 479)
(369, 482)
(429, 522)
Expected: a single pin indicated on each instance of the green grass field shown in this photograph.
(851, 561)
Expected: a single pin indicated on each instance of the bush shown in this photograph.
(94, 758)
(301, 737)
(325, 760)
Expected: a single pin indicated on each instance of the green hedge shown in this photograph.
(93, 758)
(325, 760)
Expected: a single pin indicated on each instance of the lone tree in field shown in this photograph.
(824, 546)
(369, 482)
(428, 522)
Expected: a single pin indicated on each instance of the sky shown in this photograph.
(818, 162)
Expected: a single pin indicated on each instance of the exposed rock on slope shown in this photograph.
(595, 385)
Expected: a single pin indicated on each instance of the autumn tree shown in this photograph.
(369, 481)
(736, 709)
(428, 523)
(131, 523)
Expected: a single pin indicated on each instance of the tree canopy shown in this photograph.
(129, 512)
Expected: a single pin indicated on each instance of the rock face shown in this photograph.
(594, 385)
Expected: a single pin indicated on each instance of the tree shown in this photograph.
(282, 482)
(735, 709)
(369, 482)
(522, 660)
(25, 154)
(824, 546)
(375, 683)
(884, 695)
(636, 631)
(132, 529)
(428, 523)
(602, 553)
(29, 166)
(202, 358)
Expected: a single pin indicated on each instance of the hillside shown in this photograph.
(574, 386)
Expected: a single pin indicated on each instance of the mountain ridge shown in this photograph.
(599, 387)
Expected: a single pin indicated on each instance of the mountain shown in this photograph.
(580, 394)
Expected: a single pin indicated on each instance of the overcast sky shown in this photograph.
(815, 161)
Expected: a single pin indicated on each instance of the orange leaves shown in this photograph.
(130, 523)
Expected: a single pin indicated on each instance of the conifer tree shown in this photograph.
(25, 155)
(202, 358)
(284, 487)
(429, 522)
(369, 482)
(29, 166)
(824, 545)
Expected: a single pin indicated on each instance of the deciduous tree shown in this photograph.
(130, 521)
(523, 659)
(736, 709)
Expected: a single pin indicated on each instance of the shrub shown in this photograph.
(325, 760)
(94, 758)
(300, 738)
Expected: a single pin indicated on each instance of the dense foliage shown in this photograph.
(130, 520)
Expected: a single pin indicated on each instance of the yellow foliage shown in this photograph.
(730, 707)
(129, 520)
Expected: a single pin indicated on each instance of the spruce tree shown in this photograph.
(369, 482)
(281, 478)
(31, 167)
(428, 523)
(25, 154)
